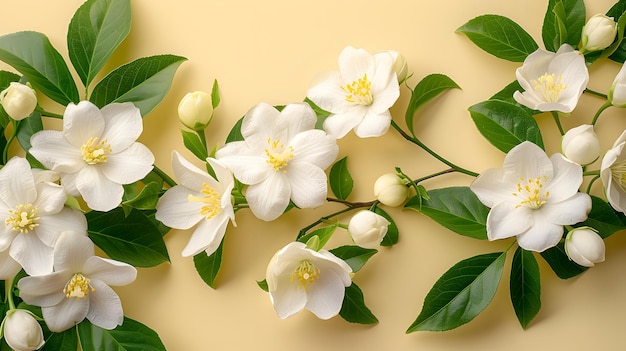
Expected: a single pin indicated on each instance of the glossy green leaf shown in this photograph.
(324, 234)
(133, 239)
(499, 36)
(461, 293)
(32, 54)
(96, 30)
(353, 308)
(456, 208)
(355, 256)
(64, 341)
(560, 263)
(263, 285)
(27, 127)
(143, 82)
(427, 89)
(215, 95)
(617, 43)
(235, 132)
(208, 266)
(569, 14)
(340, 179)
(603, 218)
(525, 286)
(146, 198)
(504, 124)
(193, 143)
(392, 236)
(506, 95)
(319, 112)
(130, 336)
(5, 80)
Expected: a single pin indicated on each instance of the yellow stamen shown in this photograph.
(359, 91)
(305, 274)
(618, 172)
(278, 155)
(23, 219)
(95, 152)
(79, 287)
(531, 193)
(549, 86)
(212, 200)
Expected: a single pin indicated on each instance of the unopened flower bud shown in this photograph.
(22, 332)
(598, 33)
(390, 190)
(18, 100)
(368, 229)
(195, 110)
(581, 145)
(584, 246)
(617, 93)
(399, 65)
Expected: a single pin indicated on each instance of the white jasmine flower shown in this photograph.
(552, 81)
(96, 153)
(79, 286)
(298, 278)
(22, 332)
(281, 158)
(532, 197)
(613, 174)
(33, 215)
(359, 95)
(198, 198)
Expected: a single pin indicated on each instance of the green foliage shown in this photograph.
(525, 286)
(560, 263)
(617, 50)
(193, 143)
(142, 198)
(130, 336)
(563, 23)
(603, 218)
(64, 341)
(235, 132)
(323, 233)
(208, 266)
(27, 127)
(340, 179)
(353, 308)
(392, 236)
(355, 256)
(427, 89)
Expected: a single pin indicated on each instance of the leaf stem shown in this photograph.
(47, 113)
(592, 173)
(557, 120)
(593, 180)
(593, 92)
(349, 207)
(600, 110)
(166, 178)
(5, 152)
(445, 171)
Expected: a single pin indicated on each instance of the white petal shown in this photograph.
(71, 251)
(354, 63)
(32, 254)
(189, 175)
(109, 271)
(8, 266)
(45, 290)
(50, 198)
(299, 117)
(17, 185)
(308, 185)
(314, 147)
(528, 161)
(105, 307)
(82, 122)
(6, 237)
(54, 151)
(249, 166)
(325, 295)
(492, 188)
(543, 235)
(338, 125)
(68, 219)
(123, 125)
(100, 193)
(207, 236)
(373, 125)
(568, 212)
(176, 211)
(260, 122)
(129, 165)
(287, 299)
(269, 199)
(224, 176)
(66, 314)
(568, 176)
(505, 220)
(326, 93)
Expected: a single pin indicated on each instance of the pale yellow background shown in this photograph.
(270, 51)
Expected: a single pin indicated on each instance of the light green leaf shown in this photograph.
(461, 293)
(146, 198)
(427, 89)
(96, 30)
(208, 266)
(563, 23)
(235, 132)
(32, 54)
(215, 94)
(143, 82)
(355, 256)
(353, 308)
(324, 234)
(499, 36)
(340, 179)
(130, 336)
(392, 236)
(193, 143)
(525, 286)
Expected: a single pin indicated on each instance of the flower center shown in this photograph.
(549, 86)
(359, 91)
(95, 150)
(305, 274)
(212, 200)
(531, 193)
(278, 155)
(618, 172)
(79, 287)
(23, 219)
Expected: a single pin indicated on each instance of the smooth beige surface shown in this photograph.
(270, 51)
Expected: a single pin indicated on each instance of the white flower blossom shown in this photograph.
(96, 153)
(613, 174)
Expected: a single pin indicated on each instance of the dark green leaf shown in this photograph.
(340, 179)
(355, 256)
(427, 89)
(263, 285)
(133, 239)
(235, 132)
(525, 286)
(130, 336)
(499, 36)
(505, 125)
(617, 42)
(208, 266)
(603, 218)
(32, 54)
(65, 341)
(6, 78)
(617, 50)
(27, 127)
(143, 82)
(506, 95)
(146, 198)
(193, 143)
(461, 293)
(95, 31)
(560, 262)
(571, 14)
(392, 236)
(456, 208)
(353, 308)
(319, 112)
(324, 234)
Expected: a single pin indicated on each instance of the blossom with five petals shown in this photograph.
(79, 286)
(552, 81)
(96, 153)
(359, 95)
(198, 196)
(613, 174)
(532, 197)
(298, 278)
(282, 157)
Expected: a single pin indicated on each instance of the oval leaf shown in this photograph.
(208, 266)
(130, 336)
(193, 143)
(560, 263)
(525, 286)
(340, 179)
(355, 256)
(324, 234)
(392, 236)
(504, 124)
(603, 218)
(499, 36)
(427, 89)
(32, 54)
(143, 82)
(353, 308)
(456, 208)
(563, 23)
(95, 31)
(64, 341)
(461, 293)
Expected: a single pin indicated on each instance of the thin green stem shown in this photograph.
(593, 180)
(166, 178)
(592, 173)
(593, 92)
(202, 137)
(5, 152)
(600, 110)
(446, 171)
(9, 292)
(48, 114)
(349, 207)
(557, 120)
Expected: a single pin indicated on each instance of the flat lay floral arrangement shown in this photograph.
(90, 184)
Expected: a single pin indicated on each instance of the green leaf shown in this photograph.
(64, 341)
(505, 125)
(340, 179)
(569, 14)
(32, 54)
(319, 112)
(456, 208)
(235, 132)
(324, 234)
(215, 95)
(353, 308)
(499, 36)
(27, 127)
(427, 89)
(506, 95)
(525, 286)
(392, 235)
(130, 336)
(263, 285)
(193, 143)
(461, 293)
(133, 239)
(208, 266)
(603, 218)
(143, 82)
(560, 263)
(96, 30)
(617, 50)
(6, 78)
(355, 256)
(147, 197)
